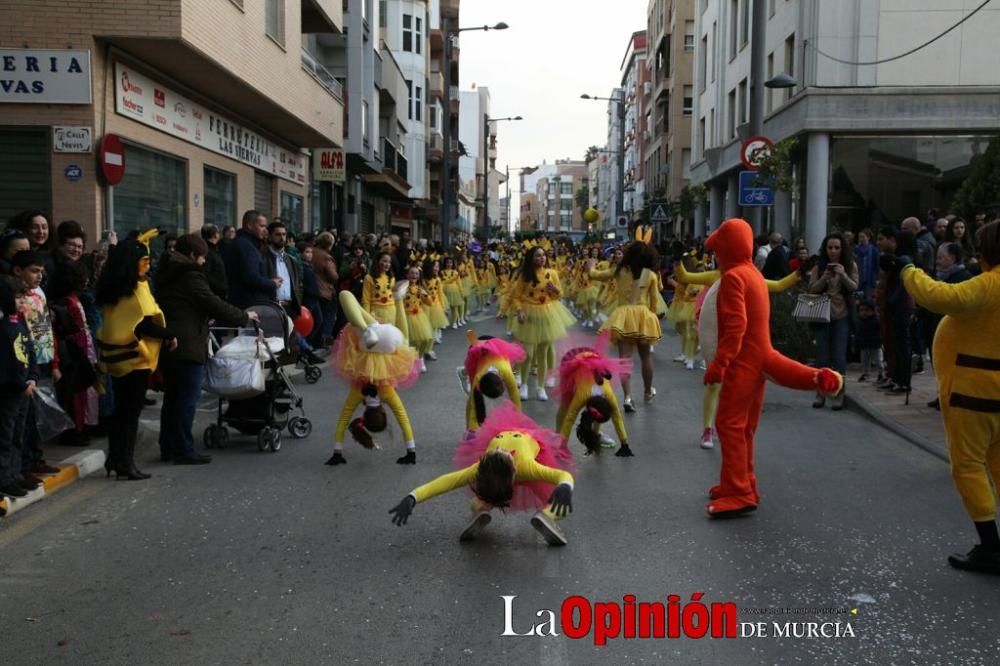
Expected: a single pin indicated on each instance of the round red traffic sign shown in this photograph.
(111, 157)
(754, 150)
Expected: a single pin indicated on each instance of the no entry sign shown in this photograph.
(111, 157)
(754, 151)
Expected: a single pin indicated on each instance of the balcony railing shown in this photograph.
(322, 75)
(393, 159)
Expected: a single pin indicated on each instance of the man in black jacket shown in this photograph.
(246, 270)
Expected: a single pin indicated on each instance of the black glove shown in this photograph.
(561, 501)
(402, 511)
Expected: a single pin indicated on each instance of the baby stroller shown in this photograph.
(255, 394)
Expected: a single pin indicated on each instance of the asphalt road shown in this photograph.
(266, 558)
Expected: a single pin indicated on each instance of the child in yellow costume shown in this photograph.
(588, 291)
(129, 341)
(707, 319)
(376, 294)
(374, 359)
(451, 280)
(416, 305)
(586, 377)
(509, 462)
(682, 314)
(487, 372)
(541, 318)
(967, 369)
(436, 313)
(633, 323)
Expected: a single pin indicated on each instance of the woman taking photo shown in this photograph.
(836, 276)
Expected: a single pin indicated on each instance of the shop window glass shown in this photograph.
(220, 197)
(153, 192)
(292, 213)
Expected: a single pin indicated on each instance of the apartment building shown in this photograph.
(216, 104)
(474, 110)
(555, 192)
(878, 139)
(445, 62)
(634, 77)
(670, 28)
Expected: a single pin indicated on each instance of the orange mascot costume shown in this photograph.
(743, 361)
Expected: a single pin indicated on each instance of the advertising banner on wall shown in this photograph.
(44, 76)
(329, 165)
(138, 97)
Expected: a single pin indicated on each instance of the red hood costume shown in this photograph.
(743, 361)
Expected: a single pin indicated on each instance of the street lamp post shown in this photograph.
(446, 190)
(620, 193)
(486, 170)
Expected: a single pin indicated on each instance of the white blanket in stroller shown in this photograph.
(236, 371)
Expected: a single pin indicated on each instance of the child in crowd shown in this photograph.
(29, 271)
(18, 377)
(869, 339)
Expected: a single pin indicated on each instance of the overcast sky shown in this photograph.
(554, 51)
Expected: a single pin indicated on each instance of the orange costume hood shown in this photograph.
(732, 243)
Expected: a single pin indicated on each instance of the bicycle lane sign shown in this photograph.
(752, 193)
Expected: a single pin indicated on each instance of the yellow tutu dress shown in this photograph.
(634, 317)
(435, 311)
(682, 308)
(376, 298)
(546, 318)
(418, 324)
(452, 284)
(356, 365)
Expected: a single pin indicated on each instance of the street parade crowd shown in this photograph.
(88, 331)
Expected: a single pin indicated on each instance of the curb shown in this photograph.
(891, 425)
(73, 468)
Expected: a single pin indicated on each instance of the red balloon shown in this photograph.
(304, 322)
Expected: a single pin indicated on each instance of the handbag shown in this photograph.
(812, 309)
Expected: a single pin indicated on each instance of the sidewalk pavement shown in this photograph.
(72, 468)
(916, 422)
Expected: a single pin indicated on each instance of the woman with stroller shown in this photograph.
(188, 303)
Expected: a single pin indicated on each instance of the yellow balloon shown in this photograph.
(591, 215)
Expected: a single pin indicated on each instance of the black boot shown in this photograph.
(126, 459)
(114, 446)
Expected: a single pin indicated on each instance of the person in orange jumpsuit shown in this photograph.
(743, 360)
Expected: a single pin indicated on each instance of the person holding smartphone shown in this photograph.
(836, 275)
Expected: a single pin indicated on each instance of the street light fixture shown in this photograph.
(446, 190)
(486, 169)
(782, 80)
(620, 194)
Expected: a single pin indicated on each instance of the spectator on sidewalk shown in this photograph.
(18, 378)
(836, 276)
(886, 243)
(325, 269)
(950, 270)
(958, 232)
(11, 242)
(776, 264)
(869, 340)
(866, 257)
(246, 270)
(188, 303)
(899, 311)
(283, 269)
(215, 265)
(310, 290)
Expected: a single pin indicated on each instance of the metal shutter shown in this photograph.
(263, 193)
(25, 172)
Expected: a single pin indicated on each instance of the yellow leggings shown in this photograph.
(389, 396)
(541, 357)
(974, 449)
(710, 403)
(566, 414)
(688, 331)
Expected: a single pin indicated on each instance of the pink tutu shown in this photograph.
(584, 360)
(511, 351)
(530, 495)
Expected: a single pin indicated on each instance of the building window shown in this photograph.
(418, 98)
(263, 192)
(770, 8)
(688, 100)
(743, 101)
(25, 171)
(220, 197)
(365, 122)
(689, 35)
(292, 213)
(566, 188)
(153, 195)
(745, 24)
(732, 113)
(701, 136)
(734, 8)
(417, 35)
(710, 130)
(409, 99)
(789, 61)
(383, 13)
(715, 50)
(703, 64)
(432, 116)
(408, 33)
(768, 98)
(274, 20)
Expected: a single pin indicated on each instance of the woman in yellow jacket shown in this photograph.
(967, 369)
(540, 319)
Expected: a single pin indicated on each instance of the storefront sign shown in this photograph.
(139, 98)
(329, 165)
(73, 172)
(44, 76)
(72, 139)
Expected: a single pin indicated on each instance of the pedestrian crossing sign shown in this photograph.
(659, 212)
